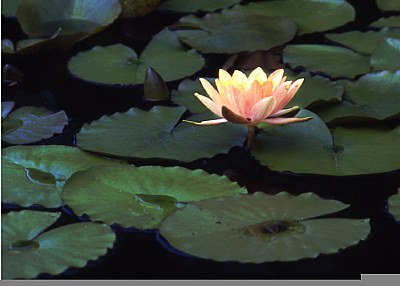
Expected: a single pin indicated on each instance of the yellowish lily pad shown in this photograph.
(261, 228)
(27, 250)
(140, 197)
(35, 175)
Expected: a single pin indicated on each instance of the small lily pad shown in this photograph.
(6, 107)
(391, 22)
(386, 55)
(140, 197)
(42, 18)
(348, 151)
(185, 95)
(328, 14)
(394, 206)
(36, 174)
(388, 5)
(156, 134)
(36, 123)
(261, 228)
(183, 6)
(371, 96)
(364, 42)
(330, 60)
(27, 250)
(233, 32)
(119, 64)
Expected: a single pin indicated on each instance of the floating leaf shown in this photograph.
(333, 61)
(36, 174)
(6, 107)
(388, 5)
(37, 123)
(371, 96)
(261, 228)
(138, 8)
(7, 46)
(154, 134)
(183, 6)
(9, 7)
(140, 197)
(185, 95)
(364, 42)
(42, 18)
(328, 14)
(350, 151)
(394, 206)
(386, 55)
(393, 22)
(315, 90)
(119, 64)
(232, 32)
(27, 251)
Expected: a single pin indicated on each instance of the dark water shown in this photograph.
(143, 255)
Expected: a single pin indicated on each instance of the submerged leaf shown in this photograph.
(36, 174)
(195, 5)
(138, 8)
(156, 134)
(27, 251)
(140, 197)
(394, 206)
(261, 228)
(119, 64)
(328, 14)
(233, 32)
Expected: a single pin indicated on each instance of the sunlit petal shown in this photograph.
(239, 79)
(257, 74)
(212, 93)
(224, 77)
(211, 105)
(207, 122)
(284, 111)
(276, 78)
(262, 109)
(283, 120)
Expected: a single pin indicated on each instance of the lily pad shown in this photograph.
(261, 228)
(140, 197)
(386, 55)
(36, 174)
(388, 5)
(330, 60)
(394, 206)
(156, 134)
(27, 250)
(184, 95)
(364, 42)
(233, 32)
(329, 14)
(119, 64)
(9, 7)
(36, 123)
(371, 96)
(6, 107)
(137, 8)
(315, 90)
(349, 151)
(183, 6)
(42, 18)
(392, 22)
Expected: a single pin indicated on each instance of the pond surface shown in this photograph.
(145, 254)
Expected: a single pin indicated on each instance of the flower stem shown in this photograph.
(251, 131)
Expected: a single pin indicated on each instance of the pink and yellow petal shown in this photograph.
(284, 120)
(262, 109)
(212, 93)
(207, 122)
(276, 78)
(211, 105)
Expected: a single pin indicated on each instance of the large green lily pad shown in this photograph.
(27, 250)
(140, 197)
(36, 174)
(233, 32)
(331, 60)
(195, 5)
(393, 22)
(388, 5)
(394, 206)
(119, 64)
(364, 42)
(156, 134)
(309, 15)
(371, 96)
(386, 55)
(35, 123)
(349, 151)
(261, 228)
(42, 18)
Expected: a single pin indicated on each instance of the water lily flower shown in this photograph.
(250, 100)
